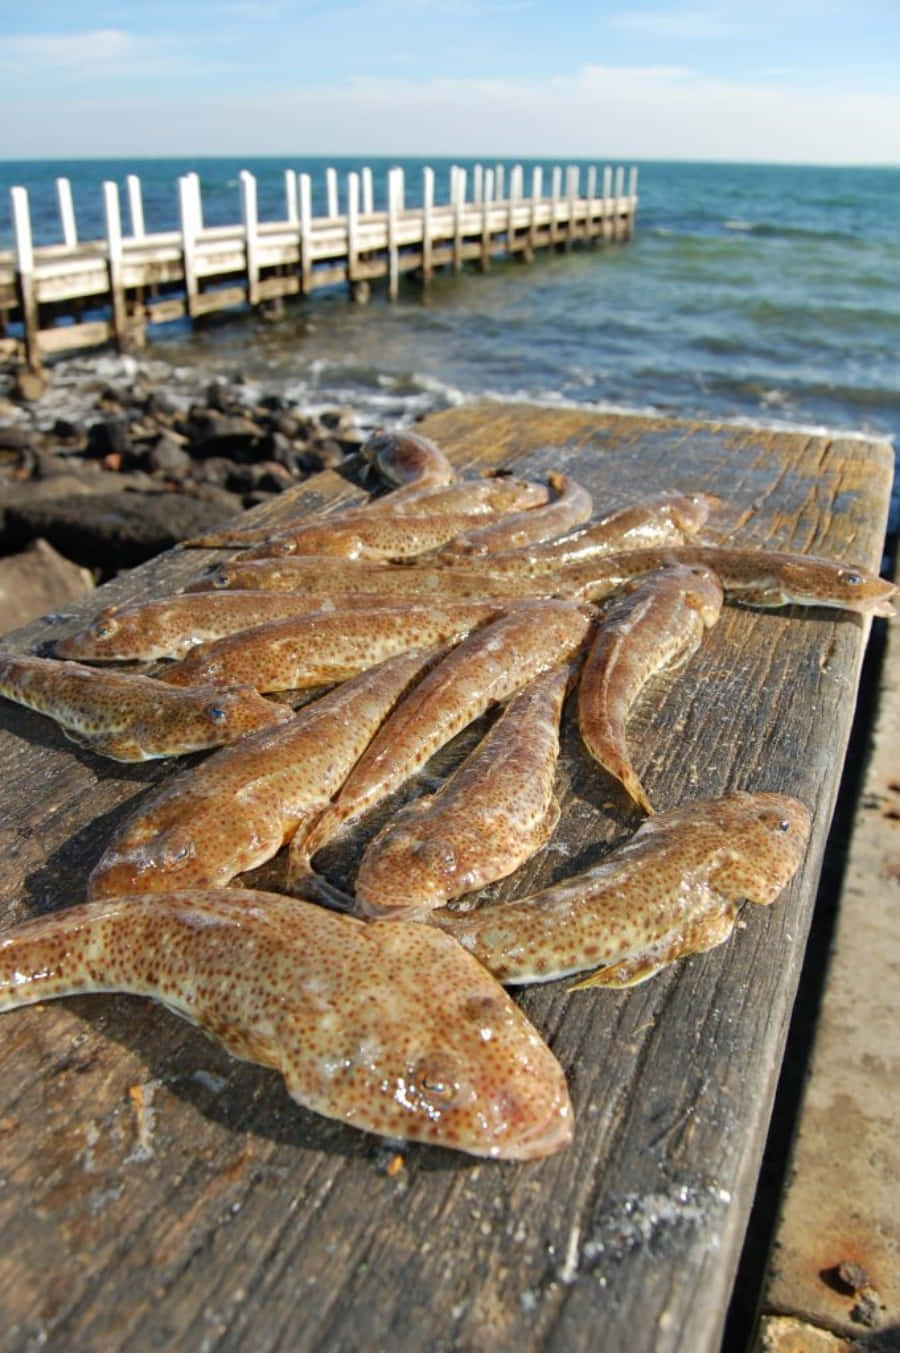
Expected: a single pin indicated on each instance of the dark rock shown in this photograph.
(237, 437)
(160, 405)
(219, 397)
(111, 531)
(112, 437)
(68, 430)
(168, 457)
(275, 403)
(271, 477)
(330, 453)
(337, 420)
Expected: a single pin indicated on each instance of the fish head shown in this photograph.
(421, 1043)
(703, 592)
(405, 457)
(407, 871)
(214, 716)
(101, 639)
(765, 839)
(810, 581)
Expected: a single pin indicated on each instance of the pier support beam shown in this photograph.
(25, 285)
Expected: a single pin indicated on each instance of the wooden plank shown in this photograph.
(189, 226)
(250, 218)
(427, 224)
(304, 184)
(68, 337)
(240, 1221)
(114, 263)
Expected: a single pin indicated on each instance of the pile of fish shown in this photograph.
(430, 605)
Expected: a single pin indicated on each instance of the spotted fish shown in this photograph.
(345, 1010)
(484, 669)
(134, 718)
(673, 889)
(325, 646)
(238, 807)
(658, 623)
(751, 577)
(572, 506)
(493, 813)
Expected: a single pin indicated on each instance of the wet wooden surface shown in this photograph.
(154, 1193)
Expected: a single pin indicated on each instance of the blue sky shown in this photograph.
(782, 80)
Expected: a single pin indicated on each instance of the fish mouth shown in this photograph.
(544, 1138)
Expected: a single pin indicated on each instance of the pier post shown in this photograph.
(331, 193)
(619, 194)
(515, 197)
(193, 179)
(499, 182)
(368, 195)
(25, 276)
(395, 197)
(458, 199)
(608, 222)
(187, 213)
(114, 262)
(555, 190)
(537, 180)
(427, 224)
(304, 191)
(135, 206)
(290, 196)
(572, 177)
(66, 212)
(478, 184)
(486, 206)
(632, 199)
(590, 229)
(250, 218)
(359, 287)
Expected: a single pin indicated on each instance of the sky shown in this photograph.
(796, 81)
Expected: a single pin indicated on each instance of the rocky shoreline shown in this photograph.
(108, 461)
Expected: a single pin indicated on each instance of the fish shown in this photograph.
(406, 460)
(492, 815)
(134, 718)
(169, 627)
(658, 623)
(673, 889)
(661, 520)
(328, 576)
(324, 646)
(464, 499)
(373, 535)
(344, 1009)
(572, 506)
(238, 807)
(481, 671)
(767, 578)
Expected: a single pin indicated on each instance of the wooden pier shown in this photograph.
(59, 297)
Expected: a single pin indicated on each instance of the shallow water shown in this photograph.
(764, 293)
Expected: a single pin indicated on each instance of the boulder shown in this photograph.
(37, 581)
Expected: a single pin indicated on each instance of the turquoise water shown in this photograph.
(764, 293)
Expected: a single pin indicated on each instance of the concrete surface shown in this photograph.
(835, 1265)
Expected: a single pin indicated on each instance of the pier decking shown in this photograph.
(55, 298)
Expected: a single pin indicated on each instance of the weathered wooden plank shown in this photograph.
(161, 1194)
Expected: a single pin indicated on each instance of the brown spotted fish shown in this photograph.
(484, 669)
(752, 577)
(464, 499)
(571, 506)
(493, 813)
(327, 576)
(134, 718)
(325, 646)
(406, 460)
(366, 535)
(673, 889)
(664, 519)
(345, 1010)
(659, 623)
(238, 807)
(171, 626)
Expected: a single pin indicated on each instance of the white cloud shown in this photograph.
(97, 47)
(687, 24)
(595, 112)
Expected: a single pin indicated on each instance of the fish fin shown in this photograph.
(628, 973)
(116, 746)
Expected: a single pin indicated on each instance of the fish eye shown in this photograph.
(104, 628)
(217, 713)
(219, 579)
(436, 1079)
(850, 578)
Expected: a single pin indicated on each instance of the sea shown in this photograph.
(764, 294)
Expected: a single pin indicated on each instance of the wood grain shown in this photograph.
(155, 1193)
